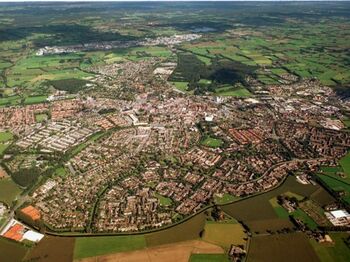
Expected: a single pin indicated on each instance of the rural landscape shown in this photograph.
(175, 131)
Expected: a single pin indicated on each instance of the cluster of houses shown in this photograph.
(56, 136)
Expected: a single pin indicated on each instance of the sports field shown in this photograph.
(212, 142)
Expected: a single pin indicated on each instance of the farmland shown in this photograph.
(55, 249)
(8, 190)
(11, 249)
(176, 252)
(208, 258)
(286, 247)
(260, 212)
(187, 230)
(337, 251)
(96, 246)
(224, 234)
(176, 131)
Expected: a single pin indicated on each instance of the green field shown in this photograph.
(35, 100)
(97, 246)
(258, 213)
(5, 136)
(3, 148)
(231, 91)
(187, 230)
(300, 214)
(208, 258)
(8, 190)
(345, 164)
(41, 117)
(329, 252)
(226, 198)
(212, 142)
(164, 201)
(11, 250)
(337, 185)
(224, 234)
(182, 86)
(53, 249)
(282, 247)
(281, 212)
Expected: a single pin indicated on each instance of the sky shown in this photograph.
(160, 0)
(153, 0)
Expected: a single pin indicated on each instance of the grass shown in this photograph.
(53, 249)
(337, 185)
(182, 86)
(11, 100)
(11, 250)
(231, 91)
(281, 212)
(291, 194)
(339, 251)
(212, 142)
(8, 190)
(258, 207)
(40, 117)
(5, 136)
(208, 258)
(281, 247)
(224, 234)
(226, 198)
(300, 214)
(3, 148)
(187, 230)
(60, 171)
(97, 246)
(345, 164)
(164, 201)
(35, 100)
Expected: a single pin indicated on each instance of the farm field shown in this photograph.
(282, 247)
(176, 252)
(208, 258)
(96, 246)
(187, 230)
(34, 100)
(55, 249)
(11, 249)
(257, 211)
(337, 185)
(8, 190)
(322, 197)
(224, 234)
(332, 252)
